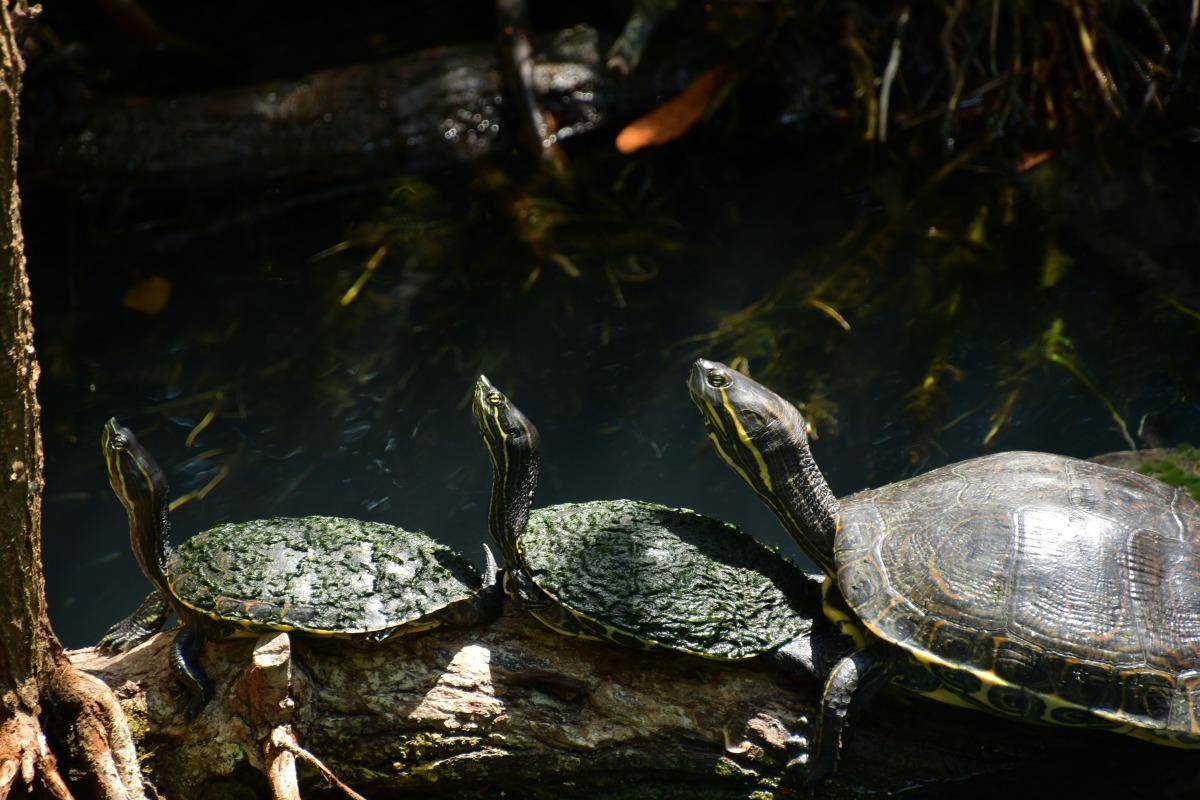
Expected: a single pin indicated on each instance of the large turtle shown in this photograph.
(641, 574)
(1035, 586)
(314, 576)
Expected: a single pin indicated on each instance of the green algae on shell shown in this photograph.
(667, 576)
(319, 575)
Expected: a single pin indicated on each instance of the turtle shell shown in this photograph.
(318, 575)
(666, 576)
(1027, 578)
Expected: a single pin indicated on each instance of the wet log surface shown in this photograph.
(514, 710)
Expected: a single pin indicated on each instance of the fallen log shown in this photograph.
(413, 114)
(515, 710)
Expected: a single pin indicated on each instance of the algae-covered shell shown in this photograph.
(319, 575)
(643, 573)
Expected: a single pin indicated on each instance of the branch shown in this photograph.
(516, 708)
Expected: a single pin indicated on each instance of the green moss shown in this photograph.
(726, 768)
(320, 574)
(669, 576)
(1181, 471)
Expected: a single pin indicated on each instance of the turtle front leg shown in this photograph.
(813, 655)
(145, 621)
(851, 685)
(185, 663)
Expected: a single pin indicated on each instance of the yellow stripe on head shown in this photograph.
(763, 473)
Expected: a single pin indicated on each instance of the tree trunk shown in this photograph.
(35, 674)
(517, 711)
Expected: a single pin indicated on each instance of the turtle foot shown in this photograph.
(119, 639)
(146, 620)
(195, 705)
(804, 767)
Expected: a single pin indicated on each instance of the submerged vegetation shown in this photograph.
(981, 272)
(945, 227)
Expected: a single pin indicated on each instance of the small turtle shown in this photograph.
(641, 574)
(1035, 586)
(315, 576)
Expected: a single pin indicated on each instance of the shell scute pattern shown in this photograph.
(1084, 591)
(319, 574)
(666, 575)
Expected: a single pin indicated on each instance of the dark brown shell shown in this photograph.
(1075, 581)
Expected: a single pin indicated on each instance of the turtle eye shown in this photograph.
(717, 378)
(495, 398)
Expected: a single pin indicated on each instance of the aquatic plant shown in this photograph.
(970, 70)
(977, 258)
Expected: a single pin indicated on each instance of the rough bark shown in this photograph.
(517, 711)
(27, 646)
(39, 688)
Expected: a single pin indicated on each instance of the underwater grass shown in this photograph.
(982, 262)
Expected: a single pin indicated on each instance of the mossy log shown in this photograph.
(515, 710)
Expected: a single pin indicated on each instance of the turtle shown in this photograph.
(1034, 586)
(640, 574)
(313, 576)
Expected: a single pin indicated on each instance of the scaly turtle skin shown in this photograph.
(1034, 586)
(314, 576)
(640, 574)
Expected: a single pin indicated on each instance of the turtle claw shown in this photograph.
(802, 767)
(146, 620)
(797, 750)
(119, 639)
(194, 706)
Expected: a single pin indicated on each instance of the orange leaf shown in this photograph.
(149, 295)
(1027, 161)
(673, 118)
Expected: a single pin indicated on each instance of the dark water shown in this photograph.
(257, 382)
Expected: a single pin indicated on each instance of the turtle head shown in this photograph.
(501, 424)
(764, 439)
(132, 473)
(141, 487)
(747, 422)
(511, 441)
